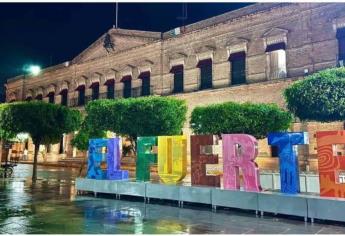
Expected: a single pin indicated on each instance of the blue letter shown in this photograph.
(97, 154)
(288, 158)
(114, 162)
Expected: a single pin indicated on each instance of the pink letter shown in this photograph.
(240, 151)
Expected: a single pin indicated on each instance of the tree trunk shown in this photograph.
(34, 168)
(134, 145)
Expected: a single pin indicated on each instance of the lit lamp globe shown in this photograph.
(34, 70)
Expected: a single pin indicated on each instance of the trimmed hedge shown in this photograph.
(230, 117)
(133, 117)
(319, 97)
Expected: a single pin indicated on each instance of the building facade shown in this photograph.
(251, 54)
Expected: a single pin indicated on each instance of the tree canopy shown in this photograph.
(44, 122)
(319, 97)
(133, 117)
(230, 117)
(81, 140)
(5, 135)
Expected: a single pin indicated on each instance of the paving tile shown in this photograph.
(46, 207)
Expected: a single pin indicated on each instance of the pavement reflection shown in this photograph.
(51, 206)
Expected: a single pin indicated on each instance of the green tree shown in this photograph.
(5, 135)
(230, 117)
(44, 122)
(319, 97)
(81, 140)
(133, 117)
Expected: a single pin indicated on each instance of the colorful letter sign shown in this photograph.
(172, 158)
(288, 158)
(114, 161)
(97, 156)
(200, 157)
(145, 157)
(240, 151)
(331, 163)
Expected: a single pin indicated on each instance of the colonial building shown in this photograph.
(250, 54)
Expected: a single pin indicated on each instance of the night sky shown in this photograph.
(51, 33)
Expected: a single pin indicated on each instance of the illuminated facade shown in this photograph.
(250, 54)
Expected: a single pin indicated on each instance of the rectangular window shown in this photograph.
(127, 86)
(81, 96)
(127, 89)
(51, 97)
(145, 88)
(205, 74)
(277, 60)
(146, 83)
(341, 45)
(238, 68)
(95, 91)
(110, 89)
(178, 78)
(64, 97)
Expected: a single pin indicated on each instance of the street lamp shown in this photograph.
(34, 70)
(29, 70)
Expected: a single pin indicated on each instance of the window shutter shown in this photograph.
(277, 64)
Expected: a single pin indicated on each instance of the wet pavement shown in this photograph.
(51, 206)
